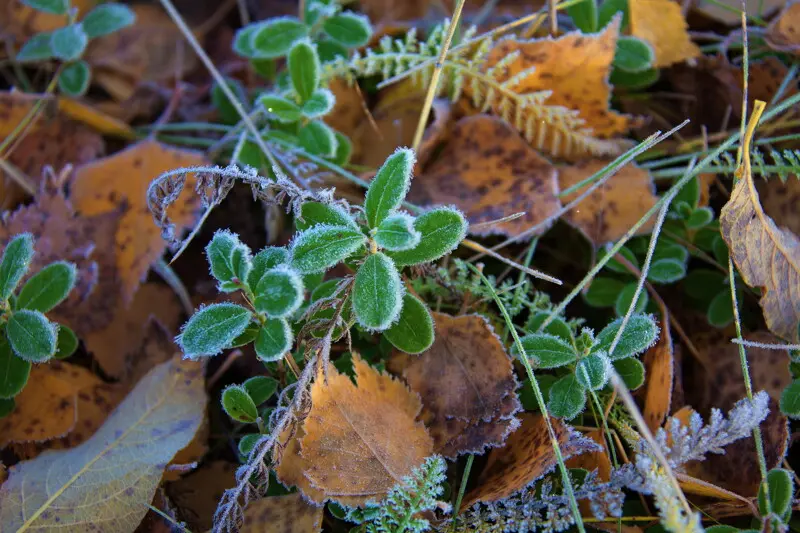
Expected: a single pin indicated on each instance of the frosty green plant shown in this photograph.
(27, 336)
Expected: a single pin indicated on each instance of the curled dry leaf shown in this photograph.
(196, 495)
(659, 368)
(489, 172)
(360, 440)
(783, 34)
(109, 479)
(767, 256)
(122, 180)
(282, 514)
(610, 211)
(661, 23)
(575, 68)
(527, 456)
(466, 383)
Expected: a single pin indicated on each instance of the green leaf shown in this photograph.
(260, 388)
(319, 104)
(212, 329)
(238, 404)
(616, 266)
(48, 287)
(397, 233)
(781, 488)
(315, 213)
(608, 9)
(689, 193)
(348, 29)
(248, 335)
(242, 41)
(389, 187)
(247, 442)
(603, 292)
(625, 297)
(266, 68)
(584, 15)
(282, 109)
(593, 370)
(6, 408)
(633, 55)
(280, 292)
(265, 260)
(631, 370)
(66, 342)
(528, 398)
(15, 263)
(567, 398)
(70, 490)
(722, 529)
(556, 327)
(640, 333)
(720, 310)
(634, 81)
(344, 148)
(318, 138)
(329, 50)
(377, 293)
(546, 351)
(37, 48)
(700, 217)
(441, 230)
(274, 339)
(31, 335)
(304, 69)
(107, 18)
(14, 371)
(790, 400)
(74, 78)
(69, 42)
(56, 7)
(413, 331)
(703, 284)
(666, 249)
(228, 258)
(319, 248)
(274, 38)
(666, 271)
(223, 104)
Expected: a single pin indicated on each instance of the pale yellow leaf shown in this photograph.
(661, 23)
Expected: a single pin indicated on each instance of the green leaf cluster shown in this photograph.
(68, 43)
(27, 336)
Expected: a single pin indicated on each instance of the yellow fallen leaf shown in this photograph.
(784, 32)
(661, 23)
(99, 121)
(282, 514)
(109, 480)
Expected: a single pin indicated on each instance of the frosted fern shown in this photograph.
(783, 163)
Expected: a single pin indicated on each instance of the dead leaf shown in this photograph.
(783, 34)
(292, 466)
(609, 212)
(767, 256)
(527, 456)
(575, 68)
(109, 479)
(781, 201)
(122, 180)
(659, 367)
(282, 514)
(349, 110)
(489, 172)
(396, 116)
(196, 495)
(22, 21)
(361, 440)
(466, 383)
(661, 23)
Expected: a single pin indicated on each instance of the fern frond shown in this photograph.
(554, 129)
(783, 163)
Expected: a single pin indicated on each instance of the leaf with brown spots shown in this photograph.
(659, 367)
(781, 201)
(608, 212)
(527, 456)
(196, 495)
(466, 383)
(109, 480)
(282, 514)
(783, 33)
(122, 180)
(361, 440)
(661, 23)
(489, 172)
(575, 68)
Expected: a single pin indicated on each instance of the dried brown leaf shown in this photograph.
(196, 495)
(282, 514)
(659, 368)
(783, 33)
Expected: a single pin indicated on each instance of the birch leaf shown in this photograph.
(108, 480)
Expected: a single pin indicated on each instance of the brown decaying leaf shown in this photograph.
(21, 21)
(767, 257)
(527, 456)
(610, 211)
(661, 23)
(122, 180)
(781, 201)
(108, 480)
(783, 33)
(489, 172)
(282, 514)
(659, 368)
(466, 383)
(360, 440)
(396, 116)
(292, 466)
(196, 495)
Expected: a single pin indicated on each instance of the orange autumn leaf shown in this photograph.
(659, 366)
(282, 514)
(466, 383)
(361, 440)
(661, 23)
(122, 180)
(613, 207)
(783, 33)
(291, 465)
(489, 172)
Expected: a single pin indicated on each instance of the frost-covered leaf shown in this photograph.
(603, 292)
(413, 331)
(319, 248)
(31, 335)
(319, 104)
(74, 78)
(633, 55)
(567, 398)
(237, 404)
(547, 351)
(69, 42)
(388, 188)
(304, 69)
(14, 371)
(212, 329)
(273, 38)
(107, 18)
(66, 343)
(790, 400)
(666, 270)
(265, 260)
(273, 340)
(377, 293)
(48, 287)
(631, 370)
(640, 333)
(592, 371)
(37, 48)
(111, 478)
(281, 108)
(397, 233)
(313, 213)
(318, 138)
(279, 292)
(260, 388)
(441, 230)
(15, 262)
(348, 29)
